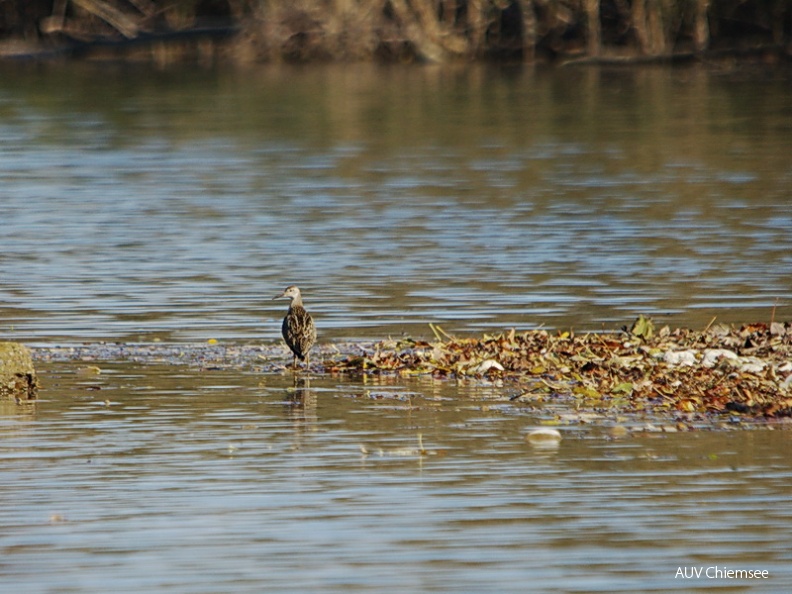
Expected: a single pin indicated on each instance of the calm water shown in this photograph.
(173, 205)
(172, 480)
(140, 205)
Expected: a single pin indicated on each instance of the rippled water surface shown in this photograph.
(140, 205)
(176, 480)
(173, 205)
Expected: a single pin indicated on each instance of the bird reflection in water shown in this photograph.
(301, 402)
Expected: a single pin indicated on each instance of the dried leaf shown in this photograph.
(642, 327)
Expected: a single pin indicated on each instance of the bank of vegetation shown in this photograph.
(397, 30)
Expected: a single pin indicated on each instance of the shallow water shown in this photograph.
(172, 205)
(169, 479)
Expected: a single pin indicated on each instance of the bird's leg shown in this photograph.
(294, 362)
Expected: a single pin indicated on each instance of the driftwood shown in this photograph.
(125, 24)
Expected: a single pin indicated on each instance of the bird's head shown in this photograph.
(291, 293)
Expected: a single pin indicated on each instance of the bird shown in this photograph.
(298, 328)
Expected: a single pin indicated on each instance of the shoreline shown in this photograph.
(218, 46)
(211, 355)
(743, 372)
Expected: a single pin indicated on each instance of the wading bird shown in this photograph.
(298, 328)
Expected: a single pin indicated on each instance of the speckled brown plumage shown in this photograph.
(298, 328)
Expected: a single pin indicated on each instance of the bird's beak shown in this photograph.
(279, 296)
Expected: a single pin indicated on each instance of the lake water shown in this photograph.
(142, 205)
(167, 479)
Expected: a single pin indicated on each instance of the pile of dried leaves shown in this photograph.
(720, 369)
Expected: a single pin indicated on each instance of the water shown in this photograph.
(175, 480)
(140, 205)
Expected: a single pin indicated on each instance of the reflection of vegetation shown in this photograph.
(409, 29)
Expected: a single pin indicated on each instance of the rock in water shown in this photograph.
(17, 376)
